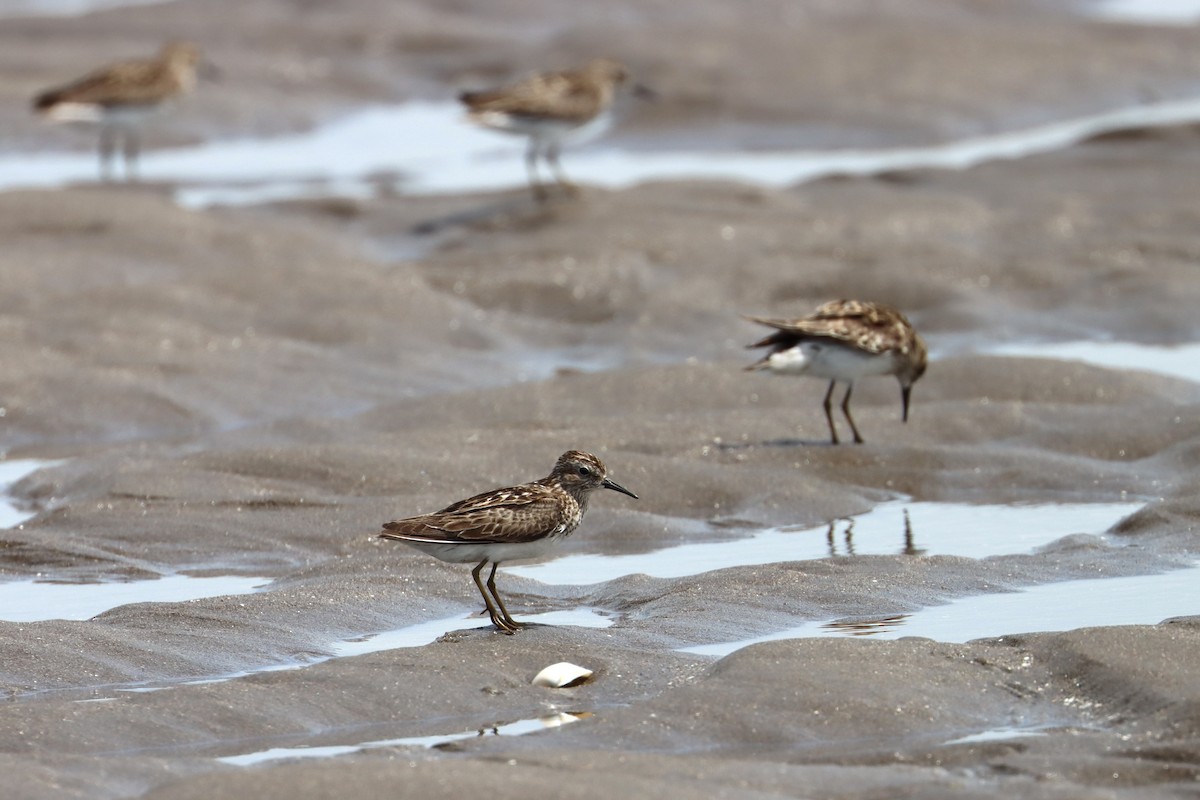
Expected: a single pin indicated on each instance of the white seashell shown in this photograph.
(562, 675)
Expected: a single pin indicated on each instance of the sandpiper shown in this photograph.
(552, 107)
(120, 97)
(845, 340)
(504, 524)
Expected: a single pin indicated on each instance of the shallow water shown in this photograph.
(1178, 361)
(897, 527)
(425, 632)
(355, 155)
(452, 157)
(1063, 606)
(11, 472)
(417, 635)
(1147, 12)
(32, 601)
(998, 735)
(519, 728)
(66, 8)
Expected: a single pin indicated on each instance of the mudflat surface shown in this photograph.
(252, 391)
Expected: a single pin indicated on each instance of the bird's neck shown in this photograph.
(576, 493)
(183, 74)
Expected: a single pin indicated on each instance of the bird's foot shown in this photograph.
(506, 626)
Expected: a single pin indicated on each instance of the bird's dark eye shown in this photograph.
(585, 471)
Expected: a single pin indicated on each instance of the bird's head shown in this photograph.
(580, 472)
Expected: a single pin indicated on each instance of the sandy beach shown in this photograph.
(248, 392)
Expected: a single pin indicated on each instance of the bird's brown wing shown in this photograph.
(557, 95)
(130, 83)
(868, 326)
(509, 516)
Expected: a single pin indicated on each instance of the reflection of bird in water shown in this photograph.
(866, 627)
(845, 340)
(552, 107)
(909, 548)
(848, 536)
(120, 97)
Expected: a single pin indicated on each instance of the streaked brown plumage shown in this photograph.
(844, 340)
(551, 107)
(512, 523)
(120, 96)
(573, 96)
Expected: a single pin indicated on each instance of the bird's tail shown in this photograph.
(477, 100)
(46, 100)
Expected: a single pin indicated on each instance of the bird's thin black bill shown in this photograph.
(644, 92)
(616, 487)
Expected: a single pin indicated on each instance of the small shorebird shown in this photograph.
(504, 524)
(552, 107)
(845, 340)
(120, 97)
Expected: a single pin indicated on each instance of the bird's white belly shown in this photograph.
(544, 128)
(119, 116)
(463, 553)
(829, 360)
(593, 128)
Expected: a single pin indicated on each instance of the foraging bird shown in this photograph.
(552, 107)
(845, 340)
(120, 97)
(518, 522)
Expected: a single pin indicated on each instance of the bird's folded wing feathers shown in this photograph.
(514, 497)
(507, 519)
(135, 82)
(553, 95)
(847, 321)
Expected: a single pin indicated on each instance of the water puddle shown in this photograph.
(424, 633)
(66, 8)
(1147, 12)
(11, 472)
(539, 364)
(896, 527)
(1134, 600)
(34, 601)
(356, 155)
(998, 735)
(1177, 361)
(519, 728)
(417, 635)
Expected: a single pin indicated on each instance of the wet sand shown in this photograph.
(252, 391)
